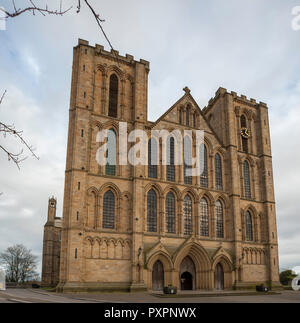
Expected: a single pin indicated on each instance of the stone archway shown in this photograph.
(187, 274)
(222, 270)
(158, 276)
(201, 272)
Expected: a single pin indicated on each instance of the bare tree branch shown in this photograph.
(59, 12)
(17, 12)
(5, 129)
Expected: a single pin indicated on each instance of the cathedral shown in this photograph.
(142, 227)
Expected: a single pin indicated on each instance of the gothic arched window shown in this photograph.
(108, 210)
(151, 211)
(187, 215)
(113, 96)
(152, 158)
(218, 172)
(244, 140)
(180, 116)
(187, 117)
(187, 160)
(249, 228)
(194, 120)
(170, 213)
(111, 153)
(204, 218)
(203, 166)
(170, 159)
(247, 187)
(219, 220)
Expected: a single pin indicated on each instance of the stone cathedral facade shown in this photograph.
(143, 227)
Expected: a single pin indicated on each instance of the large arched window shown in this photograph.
(247, 187)
(249, 228)
(111, 153)
(219, 220)
(204, 218)
(171, 159)
(113, 96)
(152, 158)
(187, 214)
(244, 140)
(151, 211)
(108, 210)
(187, 160)
(218, 172)
(203, 165)
(170, 213)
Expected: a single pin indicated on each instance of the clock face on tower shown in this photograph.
(245, 132)
(52, 204)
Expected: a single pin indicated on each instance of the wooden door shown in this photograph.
(219, 277)
(158, 276)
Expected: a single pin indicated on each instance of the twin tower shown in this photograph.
(144, 227)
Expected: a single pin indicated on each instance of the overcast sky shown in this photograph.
(245, 46)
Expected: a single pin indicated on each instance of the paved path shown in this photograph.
(40, 296)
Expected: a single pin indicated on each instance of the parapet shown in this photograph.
(99, 49)
(241, 99)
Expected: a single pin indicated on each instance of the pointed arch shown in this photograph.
(170, 212)
(247, 181)
(203, 166)
(170, 168)
(218, 172)
(204, 217)
(153, 151)
(188, 148)
(152, 208)
(113, 96)
(219, 214)
(249, 226)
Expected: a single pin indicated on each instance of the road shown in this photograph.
(40, 296)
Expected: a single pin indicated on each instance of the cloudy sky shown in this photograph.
(245, 46)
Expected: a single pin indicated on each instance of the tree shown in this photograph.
(10, 130)
(287, 276)
(19, 263)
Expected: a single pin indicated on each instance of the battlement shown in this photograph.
(99, 50)
(242, 99)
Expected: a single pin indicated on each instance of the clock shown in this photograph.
(245, 132)
(52, 204)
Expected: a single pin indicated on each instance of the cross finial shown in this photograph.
(187, 90)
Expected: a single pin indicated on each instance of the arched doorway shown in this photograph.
(219, 277)
(158, 276)
(187, 274)
(186, 280)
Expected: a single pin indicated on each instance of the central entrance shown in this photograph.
(187, 274)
